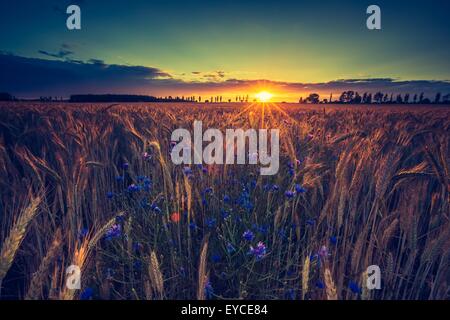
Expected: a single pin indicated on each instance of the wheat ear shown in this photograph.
(156, 277)
(16, 235)
(40, 276)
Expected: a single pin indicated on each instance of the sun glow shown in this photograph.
(264, 96)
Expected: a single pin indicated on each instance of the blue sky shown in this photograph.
(194, 47)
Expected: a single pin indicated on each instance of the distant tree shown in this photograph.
(415, 98)
(446, 98)
(392, 98)
(364, 97)
(300, 100)
(331, 98)
(399, 99)
(357, 98)
(313, 98)
(421, 98)
(385, 98)
(378, 97)
(5, 96)
(406, 100)
(369, 98)
(347, 97)
(438, 98)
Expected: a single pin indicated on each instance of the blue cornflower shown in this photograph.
(216, 258)
(264, 229)
(290, 294)
(114, 232)
(155, 208)
(310, 222)
(120, 178)
(83, 233)
(320, 284)
(248, 235)
(225, 214)
(137, 246)
(282, 233)
(226, 198)
(275, 187)
(299, 188)
(133, 188)
(110, 195)
(187, 170)
(192, 226)
(333, 240)
(289, 194)
(137, 264)
(211, 223)
(87, 294)
(259, 251)
(208, 190)
(244, 200)
(125, 165)
(354, 287)
(209, 291)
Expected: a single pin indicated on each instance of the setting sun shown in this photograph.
(264, 96)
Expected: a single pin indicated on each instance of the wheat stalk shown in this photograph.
(82, 253)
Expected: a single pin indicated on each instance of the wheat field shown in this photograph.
(94, 186)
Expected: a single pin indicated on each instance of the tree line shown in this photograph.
(353, 97)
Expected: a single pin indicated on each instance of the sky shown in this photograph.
(172, 47)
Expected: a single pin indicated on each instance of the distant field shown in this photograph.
(93, 185)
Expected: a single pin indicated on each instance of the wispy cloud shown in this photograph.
(61, 54)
